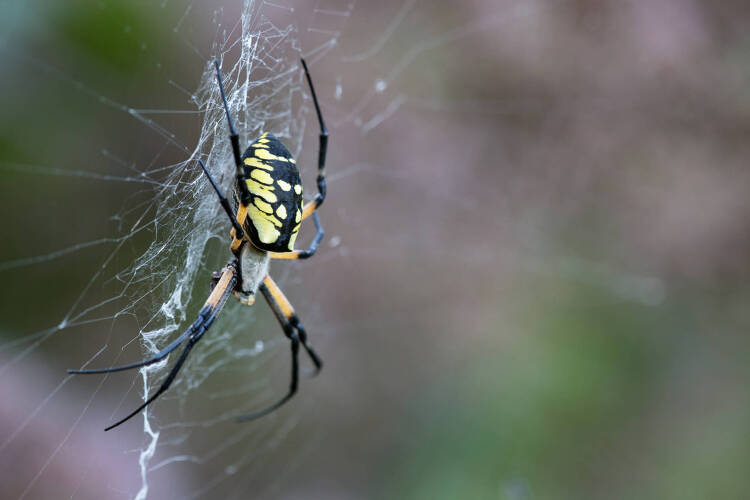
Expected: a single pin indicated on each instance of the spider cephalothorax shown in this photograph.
(268, 197)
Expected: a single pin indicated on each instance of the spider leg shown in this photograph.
(310, 351)
(239, 233)
(284, 312)
(204, 312)
(311, 207)
(218, 298)
(295, 332)
(292, 386)
(304, 254)
(167, 382)
(193, 334)
(322, 150)
(234, 138)
(208, 312)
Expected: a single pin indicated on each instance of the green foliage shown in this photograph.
(113, 33)
(571, 407)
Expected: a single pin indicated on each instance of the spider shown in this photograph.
(268, 194)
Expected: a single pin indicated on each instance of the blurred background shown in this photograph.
(534, 280)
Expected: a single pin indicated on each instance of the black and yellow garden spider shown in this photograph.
(268, 196)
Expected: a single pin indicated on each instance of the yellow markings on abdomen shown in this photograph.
(262, 205)
(262, 142)
(264, 154)
(298, 189)
(265, 225)
(262, 176)
(292, 239)
(257, 163)
(281, 212)
(258, 189)
(284, 185)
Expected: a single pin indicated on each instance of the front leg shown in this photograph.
(322, 151)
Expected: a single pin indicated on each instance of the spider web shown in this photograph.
(138, 286)
(155, 292)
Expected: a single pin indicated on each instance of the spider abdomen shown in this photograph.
(275, 208)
